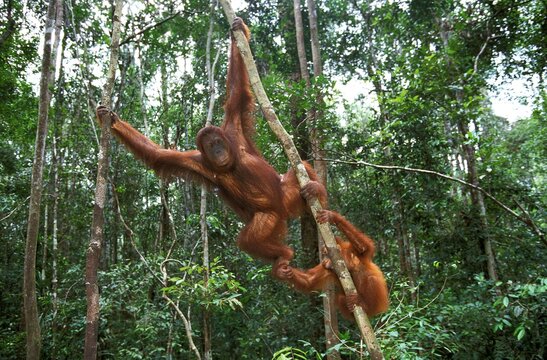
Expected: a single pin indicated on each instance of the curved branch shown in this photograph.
(525, 220)
(187, 325)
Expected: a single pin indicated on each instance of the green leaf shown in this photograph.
(520, 332)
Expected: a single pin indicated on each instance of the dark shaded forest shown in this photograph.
(426, 120)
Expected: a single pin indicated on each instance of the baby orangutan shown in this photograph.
(372, 294)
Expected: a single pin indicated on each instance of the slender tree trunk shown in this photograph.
(115, 228)
(403, 241)
(207, 345)
(97, 227)
(330, 317)
(163, 234)
(144, 109)
(56, 161)
(59, 19)
(210, 68)
(59, 13)
(417, 260)
(300, 43)
(477, 200)
(169, 347)
(314, 34)
(308, 229)
(140, 71)
(44, 246)
(453, 157)
(54, 237)
(32, 325)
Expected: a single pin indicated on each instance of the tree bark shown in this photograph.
(32, 325)
(97, 226)
(300, 122)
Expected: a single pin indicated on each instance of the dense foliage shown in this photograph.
(423, 77)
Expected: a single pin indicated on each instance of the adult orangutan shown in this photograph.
(369, 280)
(227, 159)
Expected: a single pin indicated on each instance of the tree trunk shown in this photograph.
(140, 81)
(417, 260)
(210, 68)
(330, 317)
(164, 185)
(54, 237)
(44, 245)
(59, 14)
(403, 242)
(207, 346)
(56, 161)
(32, 325)
(300, 44)
(143, 102)
(477, 200)
(97, 226)
(314, 34)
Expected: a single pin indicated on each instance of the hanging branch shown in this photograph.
(526, 220)
(303, 178)
(97, 226)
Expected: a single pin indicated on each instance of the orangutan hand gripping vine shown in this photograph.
(369, 280)
(227, 159)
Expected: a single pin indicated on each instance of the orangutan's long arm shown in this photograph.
(360, 241)
(165, 162)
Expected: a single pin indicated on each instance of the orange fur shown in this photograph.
(369, 280)
(248, 184)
